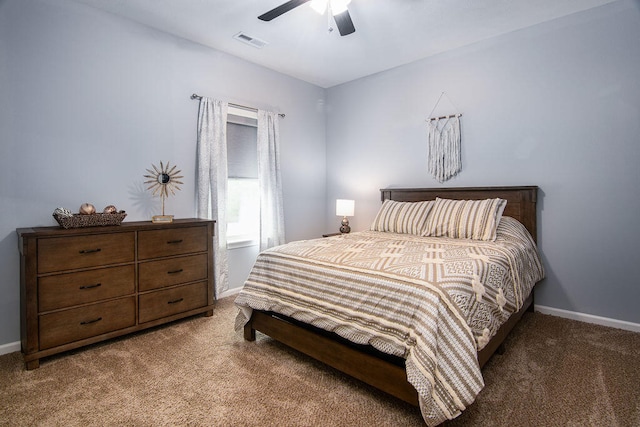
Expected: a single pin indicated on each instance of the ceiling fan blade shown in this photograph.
(283, 8)
(344, 23)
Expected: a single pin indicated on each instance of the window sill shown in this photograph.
(241, 242)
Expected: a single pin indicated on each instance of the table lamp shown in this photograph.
(345, 208)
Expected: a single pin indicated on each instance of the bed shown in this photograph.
(425, 338)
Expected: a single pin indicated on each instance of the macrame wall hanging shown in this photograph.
(445, 157)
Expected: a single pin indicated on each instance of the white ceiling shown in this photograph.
(388, 33)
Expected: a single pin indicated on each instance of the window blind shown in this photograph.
(242, 149)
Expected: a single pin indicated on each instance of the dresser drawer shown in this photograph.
(158, 304)
(66, 326)
(171, 241)
(67, 253)
(172, 271)
(66, 290)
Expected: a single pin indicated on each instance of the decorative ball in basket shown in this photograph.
(88, 217)
(162, 181)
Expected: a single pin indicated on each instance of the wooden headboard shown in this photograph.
(521, 201)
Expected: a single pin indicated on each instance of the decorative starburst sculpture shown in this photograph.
(162, 181)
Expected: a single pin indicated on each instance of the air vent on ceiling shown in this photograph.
(252, 41)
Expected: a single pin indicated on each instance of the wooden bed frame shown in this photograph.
(385, 372)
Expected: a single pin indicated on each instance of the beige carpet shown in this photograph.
(556, 372)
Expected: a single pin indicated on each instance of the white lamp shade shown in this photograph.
(345, 207)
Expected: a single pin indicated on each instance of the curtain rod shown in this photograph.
(244, 107)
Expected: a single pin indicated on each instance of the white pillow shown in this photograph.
(402, 217)
(465, 219)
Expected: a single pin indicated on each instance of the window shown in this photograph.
(243, 197)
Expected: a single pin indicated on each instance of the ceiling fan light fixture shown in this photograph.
(339, 6)
(336, 6)
(319, 5)
(337, 10)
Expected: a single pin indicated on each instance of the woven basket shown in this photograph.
(93, 220)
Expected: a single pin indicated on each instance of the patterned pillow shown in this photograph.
(465, 219)
(402, 217)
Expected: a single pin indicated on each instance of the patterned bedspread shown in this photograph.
(431, 300)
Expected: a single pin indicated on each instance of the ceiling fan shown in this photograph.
(336, 8)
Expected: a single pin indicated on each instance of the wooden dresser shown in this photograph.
(85, 285)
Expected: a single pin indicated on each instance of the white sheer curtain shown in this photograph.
(211, 186)
(269, 181)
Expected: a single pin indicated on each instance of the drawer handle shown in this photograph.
(90, 251)
(175, 301)
(180, 270)
(173, 242)
(96, 285)
(88, 322)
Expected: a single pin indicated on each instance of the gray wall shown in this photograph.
(89, 100)
(556, 105)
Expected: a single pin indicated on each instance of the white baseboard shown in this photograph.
(9, 348)
(230, 292)
(589, 318)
